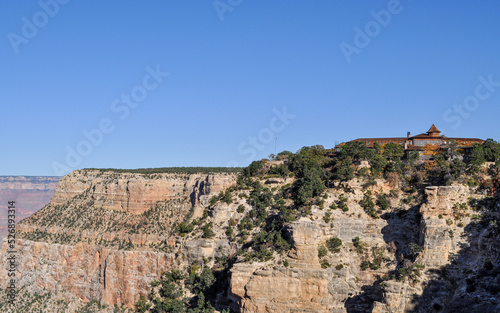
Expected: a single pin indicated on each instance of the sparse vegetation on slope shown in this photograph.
(255, 220)
(177, 170)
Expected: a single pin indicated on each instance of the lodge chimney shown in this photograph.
(408, 134)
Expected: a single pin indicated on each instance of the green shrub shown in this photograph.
(412, 272)
(230, 231)
(415, 249)
(245, 223)
(207, 231)
(213, 200)
(322, 251)
(228, 198)
(367, 204)
(359, 245)
(184, 228)
(333, 244)
(327, 217)
(383, 201)
(365, 265)
(342, 203)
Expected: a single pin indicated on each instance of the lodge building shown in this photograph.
(417, 143)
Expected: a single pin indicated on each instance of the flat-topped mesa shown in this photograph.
(107, 234)
(39, 183)
(135, 193)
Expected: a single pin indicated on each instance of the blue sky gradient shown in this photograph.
(231, 66)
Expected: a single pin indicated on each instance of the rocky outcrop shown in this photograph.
(373, 270)
(136, 193)
(437, 233)
(86, 271)
(268, 290)
(305, 286)
(104, 207)
(114, 227)
(343, 287)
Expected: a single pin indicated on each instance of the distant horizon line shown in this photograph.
(132, 170)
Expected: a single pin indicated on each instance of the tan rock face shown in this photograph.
(87, 271)
(104, 207)
(440, 200)
(437, 236)
(304, 286)
(264, 290)
(136, 193)
(100, 200)
(92, 271)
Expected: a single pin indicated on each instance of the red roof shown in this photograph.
(433, 129)
(430, 135)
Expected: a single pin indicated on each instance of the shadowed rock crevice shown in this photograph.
(402, 237)
(471, 282)
(364, 302)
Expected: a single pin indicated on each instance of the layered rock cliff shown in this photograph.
(136, 193)
(88, 271)
(313, 284)
(416, 245)
(106, 236)
(121, 209)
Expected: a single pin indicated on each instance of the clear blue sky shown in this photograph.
(230, 68)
